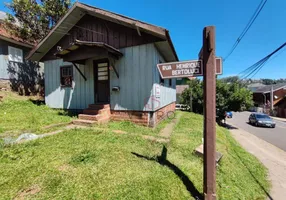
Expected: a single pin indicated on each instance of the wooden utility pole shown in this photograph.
(209, 74)
(271, 99)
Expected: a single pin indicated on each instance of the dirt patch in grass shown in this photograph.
(65, 168)
(28, 192)
(119, 131)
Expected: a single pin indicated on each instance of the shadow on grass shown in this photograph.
(230, 127)
(162, 160)
(37, 102)
(70, 113)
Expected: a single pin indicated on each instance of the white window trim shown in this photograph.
(15, 54)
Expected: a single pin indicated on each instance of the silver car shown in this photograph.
(260, 119)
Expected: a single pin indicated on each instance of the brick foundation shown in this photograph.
(161, 113)
(145, 118)
(138, 117)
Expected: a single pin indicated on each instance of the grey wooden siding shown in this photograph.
(167, 92)
(135, 79)
(3, 67)
(138, 80)
(4, 63)
(77, 97)
(138, 77)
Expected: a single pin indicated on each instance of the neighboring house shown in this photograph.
(262, 98)
(14, 69)
(12, 49)
(179, 90)
(184, 81)
(105, 64)
(254, 86)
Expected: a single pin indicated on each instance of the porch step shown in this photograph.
(98, 106)
(83, 122)
(91, 111)
(90, 117)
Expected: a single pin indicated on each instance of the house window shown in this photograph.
(66, 76)
(15, 54)
(170, 82)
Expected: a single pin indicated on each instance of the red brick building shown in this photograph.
(262, 98)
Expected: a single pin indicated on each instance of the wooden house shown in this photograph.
(105, 65)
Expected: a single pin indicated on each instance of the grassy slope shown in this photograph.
(99, 164)
(22, 115)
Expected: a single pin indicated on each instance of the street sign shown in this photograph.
(180, 69)
(218, 67)
(191, 68)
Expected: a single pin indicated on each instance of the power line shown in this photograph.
(247, 27)
(256, 67)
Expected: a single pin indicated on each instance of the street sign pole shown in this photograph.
(209, 76)
(207, 66)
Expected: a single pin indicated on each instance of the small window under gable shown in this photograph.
(66, 76)
(15, 54)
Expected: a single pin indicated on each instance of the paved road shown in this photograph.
(275, 136)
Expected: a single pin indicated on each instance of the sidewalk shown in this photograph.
(273, 158)
(278, 118)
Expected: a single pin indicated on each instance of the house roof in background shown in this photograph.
(78, 10)
(5, 35)
(254, 86)
(180, 88)
(267, 88)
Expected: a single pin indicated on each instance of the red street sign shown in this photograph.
(191, 68)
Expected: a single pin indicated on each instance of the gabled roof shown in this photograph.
(267, 88)
(79, 10)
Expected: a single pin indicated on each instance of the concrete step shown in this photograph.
(83, 122)
(90, 117)
(104, 119)
(91, 111)
(98, 106)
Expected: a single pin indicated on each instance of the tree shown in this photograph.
(195, 89)
(35, 18)
(230, 79)
(229, 96)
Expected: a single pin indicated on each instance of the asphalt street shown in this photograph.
(275, 136)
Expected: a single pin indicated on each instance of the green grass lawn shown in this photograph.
(22, 115)
(100, 164)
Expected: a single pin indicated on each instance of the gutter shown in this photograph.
(16, 42)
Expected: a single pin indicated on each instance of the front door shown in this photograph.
(101, 81)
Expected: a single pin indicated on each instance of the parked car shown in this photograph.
(260, 119)
(228, 114)
(182, 107)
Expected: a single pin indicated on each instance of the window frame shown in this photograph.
(170, 82)
(15, 49)
(161, 80)
(61, 76)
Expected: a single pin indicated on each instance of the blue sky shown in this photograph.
(185, 19)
